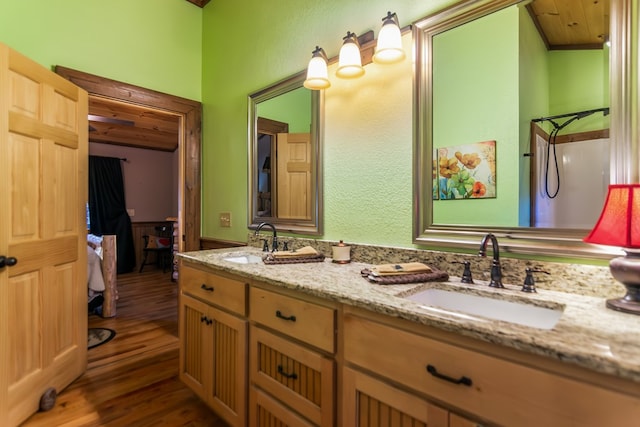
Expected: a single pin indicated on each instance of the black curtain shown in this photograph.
(107, 208)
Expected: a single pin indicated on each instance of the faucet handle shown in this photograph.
(285, 245)
(466, 274)
(265, 245)
(529, 284)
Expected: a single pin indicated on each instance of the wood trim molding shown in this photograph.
(199, 3)
(209, 243)
(190, 132)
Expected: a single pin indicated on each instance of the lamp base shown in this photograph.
(620, 304)
(627, 271)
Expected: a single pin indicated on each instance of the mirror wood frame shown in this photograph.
(566, 243)
(314, 225)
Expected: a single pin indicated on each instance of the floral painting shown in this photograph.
(434, 175)
(467, 171)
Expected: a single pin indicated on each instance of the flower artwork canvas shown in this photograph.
(467, 171)
(434, 175)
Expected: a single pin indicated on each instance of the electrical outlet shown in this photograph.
(225, 219)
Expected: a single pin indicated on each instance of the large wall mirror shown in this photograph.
(516, 135)
(285, 157)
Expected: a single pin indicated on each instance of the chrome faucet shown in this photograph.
(274, 241)
(496, 269)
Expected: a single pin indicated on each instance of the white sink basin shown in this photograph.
(490, 308)
(244, 259)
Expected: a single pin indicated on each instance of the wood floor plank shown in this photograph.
(133, 379)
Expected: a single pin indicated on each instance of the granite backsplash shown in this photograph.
(570, 278)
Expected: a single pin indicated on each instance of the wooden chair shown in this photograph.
(161, 244)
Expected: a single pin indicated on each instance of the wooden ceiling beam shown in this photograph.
(143, 118)
(131, 136)
(199, 3)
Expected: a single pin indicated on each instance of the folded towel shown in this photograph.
(398, 279)
(307, 251)
(270, 259)
(397, 269)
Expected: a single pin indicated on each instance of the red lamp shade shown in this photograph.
(619, 223)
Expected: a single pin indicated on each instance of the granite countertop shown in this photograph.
(587, 335)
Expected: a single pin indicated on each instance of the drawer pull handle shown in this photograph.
(206, 320)
(206, 288)
(283, 317)
(292, 376)
(462, 380)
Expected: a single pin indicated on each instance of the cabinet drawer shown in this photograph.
(501, 391)
(264, 411)
(293, 374)
(308, 322)
(217, 290)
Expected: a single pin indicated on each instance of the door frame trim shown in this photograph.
(189, 144)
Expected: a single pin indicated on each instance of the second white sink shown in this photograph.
(491, 308)
(244, 259)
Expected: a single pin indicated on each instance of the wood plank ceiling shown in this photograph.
(119, 123)
(563, 24)
(571, 24)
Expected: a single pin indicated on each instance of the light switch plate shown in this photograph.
(225, 219)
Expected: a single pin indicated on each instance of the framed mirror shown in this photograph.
(479, 97)
(285, 157)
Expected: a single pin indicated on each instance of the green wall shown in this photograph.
(224, 52)
(534, 102)
(475, 92)
(293, 108)
(578, 81)
(368, 122)
(152, 43)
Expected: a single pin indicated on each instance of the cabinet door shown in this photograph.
(195, 346)
(43, 294)
(213, 358)
(228, 391)
(372, 403)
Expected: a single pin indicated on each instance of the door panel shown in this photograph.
(43, 168)
(294, 175)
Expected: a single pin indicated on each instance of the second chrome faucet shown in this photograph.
(496, 269)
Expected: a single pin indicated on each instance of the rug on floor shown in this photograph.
(99, 336)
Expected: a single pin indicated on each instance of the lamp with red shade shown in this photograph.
(619, 225)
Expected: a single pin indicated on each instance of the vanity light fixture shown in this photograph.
(317, 74)
(619, 225)
(349, 61)
(389, 47)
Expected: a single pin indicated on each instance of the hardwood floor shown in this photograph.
(133, 379)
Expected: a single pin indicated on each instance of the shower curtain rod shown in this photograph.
(578, 114)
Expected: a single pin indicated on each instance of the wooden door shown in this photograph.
(43, 297)
(294, 176)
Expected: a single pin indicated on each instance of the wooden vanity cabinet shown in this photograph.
(494, 386)
(213, 340)
(291, 360)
